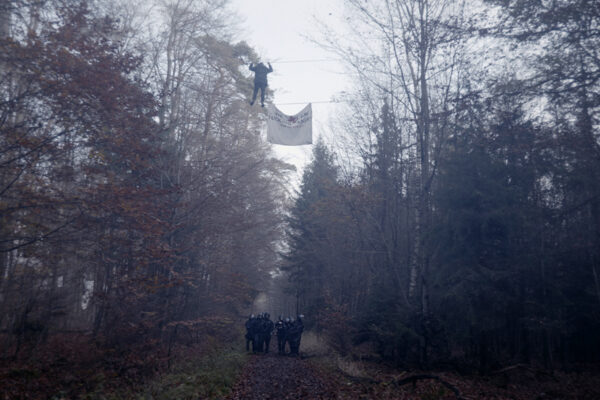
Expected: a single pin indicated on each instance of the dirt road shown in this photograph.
(271, 377)
(281, 377)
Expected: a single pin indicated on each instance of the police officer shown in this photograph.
(249, 334)
(300, 329)
(295, 334)
(288, 326)
(257, 336)
(280, 331)
(267, 330)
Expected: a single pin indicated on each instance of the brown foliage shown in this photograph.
(106, 227)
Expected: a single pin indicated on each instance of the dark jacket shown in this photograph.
(260, 73)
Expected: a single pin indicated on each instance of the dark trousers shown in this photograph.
(248, 337)
(281, 344)
(295, 345)
(263, 89)
(257, 343)
(267, 341)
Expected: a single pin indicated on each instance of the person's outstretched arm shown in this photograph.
(251, 66)
(270, 67)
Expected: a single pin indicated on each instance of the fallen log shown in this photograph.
(526, 367)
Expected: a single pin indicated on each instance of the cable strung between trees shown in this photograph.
(312, 102)
(306, 61)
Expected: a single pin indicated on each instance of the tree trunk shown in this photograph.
(5, 17)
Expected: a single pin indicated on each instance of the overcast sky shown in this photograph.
(303, 72)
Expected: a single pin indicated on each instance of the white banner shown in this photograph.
(289, 130)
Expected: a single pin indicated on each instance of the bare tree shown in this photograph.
(410, 55)
(413, 57)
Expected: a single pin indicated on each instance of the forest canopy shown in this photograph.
(455, 223)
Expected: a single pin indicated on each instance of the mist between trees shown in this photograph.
(139, 205)
(457, 223)
(468, 233)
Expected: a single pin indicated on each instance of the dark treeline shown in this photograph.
(469, 234)
(138, 204)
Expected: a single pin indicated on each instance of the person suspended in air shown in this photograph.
(260, 81)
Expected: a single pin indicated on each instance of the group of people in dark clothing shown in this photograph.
(260, 328)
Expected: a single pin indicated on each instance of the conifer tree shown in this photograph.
(307, 235)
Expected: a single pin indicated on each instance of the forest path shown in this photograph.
(271, 376)
(274, 377)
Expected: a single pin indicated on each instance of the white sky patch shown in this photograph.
(303, 72)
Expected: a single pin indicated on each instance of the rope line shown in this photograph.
(312, 102)
(305, 61)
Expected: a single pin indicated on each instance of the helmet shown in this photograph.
(287, 319)
(252, 316)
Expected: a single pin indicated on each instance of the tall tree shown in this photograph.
(567, 73)
(308, 240)
(415, 64)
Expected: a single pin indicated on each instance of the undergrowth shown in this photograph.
(209, 377)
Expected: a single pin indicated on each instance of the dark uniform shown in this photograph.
(249, 335)
(295, 334)
(287, 326)
(260, 81)
(257, 336)
(280, 331)
(267, 330)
